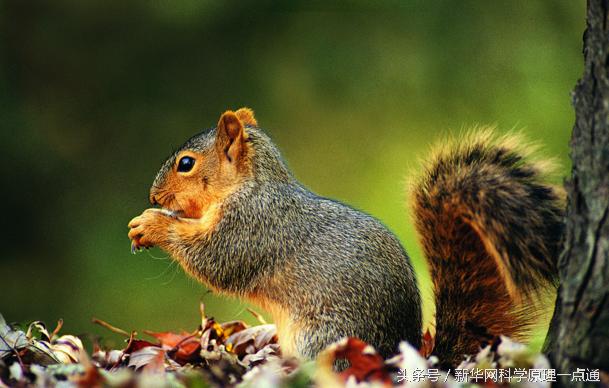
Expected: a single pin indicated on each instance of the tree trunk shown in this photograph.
(579, 333)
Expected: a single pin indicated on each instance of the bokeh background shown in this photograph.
(94, 95)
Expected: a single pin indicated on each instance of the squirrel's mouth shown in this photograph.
(167, 204)
(172, 212)
(185, 208)
(176, 212)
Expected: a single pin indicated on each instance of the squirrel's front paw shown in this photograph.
(149, 229)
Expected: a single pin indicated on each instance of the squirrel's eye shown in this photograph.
(186, 164)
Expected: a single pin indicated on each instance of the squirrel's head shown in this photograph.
(211, 165)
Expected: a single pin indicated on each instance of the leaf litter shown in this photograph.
(234, 354)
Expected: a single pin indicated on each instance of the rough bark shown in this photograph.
(579, 334)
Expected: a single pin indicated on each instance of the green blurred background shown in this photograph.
(94, 96)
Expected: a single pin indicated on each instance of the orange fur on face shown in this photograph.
(186, 194)
(217, 172)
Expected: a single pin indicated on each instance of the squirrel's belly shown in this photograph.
(286, 327)
(286, 332)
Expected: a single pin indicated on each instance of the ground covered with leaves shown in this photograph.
(235, 354)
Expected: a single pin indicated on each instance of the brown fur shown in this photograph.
(490, 229)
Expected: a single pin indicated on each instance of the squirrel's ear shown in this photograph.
(230, 137)
(246, 115)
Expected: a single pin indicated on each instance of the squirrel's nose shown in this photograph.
(153, 200)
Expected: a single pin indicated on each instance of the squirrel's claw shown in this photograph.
(147, 229)
(135, 247)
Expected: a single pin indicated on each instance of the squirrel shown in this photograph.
(232, 214)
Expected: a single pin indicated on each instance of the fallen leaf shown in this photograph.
(427, 344)
(10, 340)
(365, 364)
(141, 358)
(182, 347)
(137, 344)
(67, 349)
(251, 340)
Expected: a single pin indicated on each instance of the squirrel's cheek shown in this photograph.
(192, 209)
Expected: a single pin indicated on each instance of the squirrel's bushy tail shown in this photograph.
(490, 227)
